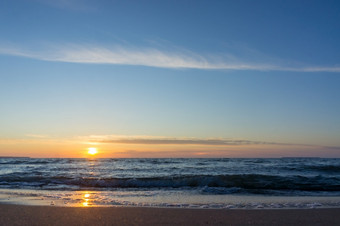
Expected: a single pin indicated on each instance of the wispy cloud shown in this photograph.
(178, 141)
(158, 140)
(152, 57)
(39, 136)
(320, 69)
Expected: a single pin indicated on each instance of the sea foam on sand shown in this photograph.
(161, 198)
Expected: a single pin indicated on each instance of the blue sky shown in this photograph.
(259, 71)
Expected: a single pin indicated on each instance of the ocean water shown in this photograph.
(194, 183)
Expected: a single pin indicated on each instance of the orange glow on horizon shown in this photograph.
(67, 148)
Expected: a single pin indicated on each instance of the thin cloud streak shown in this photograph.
(210, 142)
(39, 136)
(158, 140)
(155, 140)
(150, 57)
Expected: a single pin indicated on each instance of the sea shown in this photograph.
(222, 183)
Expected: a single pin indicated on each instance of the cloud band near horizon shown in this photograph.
(150, 57)
(155, 140)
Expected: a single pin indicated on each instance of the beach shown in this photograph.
(51, 215)
(169, 191)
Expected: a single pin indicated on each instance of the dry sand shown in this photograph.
(50, 215)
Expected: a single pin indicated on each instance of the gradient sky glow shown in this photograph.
(170, 78)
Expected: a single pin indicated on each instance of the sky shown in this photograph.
(170, 78)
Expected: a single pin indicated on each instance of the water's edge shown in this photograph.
(178, 183)
(159, 199)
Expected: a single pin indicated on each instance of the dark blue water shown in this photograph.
(283, 176)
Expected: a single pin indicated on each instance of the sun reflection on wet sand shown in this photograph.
(87, 199)
(85, 204)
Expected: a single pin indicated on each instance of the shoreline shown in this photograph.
(12, 214)
(162, 199)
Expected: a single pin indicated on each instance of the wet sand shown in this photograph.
(50, 215)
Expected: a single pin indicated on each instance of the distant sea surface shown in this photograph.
(217, 183)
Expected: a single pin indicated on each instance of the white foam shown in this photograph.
(169, 199)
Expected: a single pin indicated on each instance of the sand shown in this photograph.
(51, 215)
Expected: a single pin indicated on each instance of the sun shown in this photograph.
(92, 151)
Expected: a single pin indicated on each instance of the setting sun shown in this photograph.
(92, 151)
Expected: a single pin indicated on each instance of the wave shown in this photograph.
(212, 176)
(20, 161)
(251, 183)
(324, 168)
